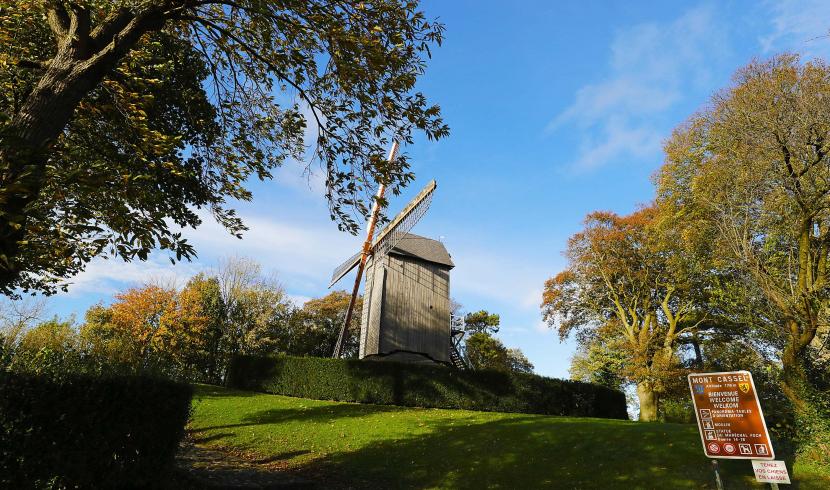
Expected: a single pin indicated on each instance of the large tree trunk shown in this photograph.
(75, 70)
(648, 399)
(794, 380)
(25, 147)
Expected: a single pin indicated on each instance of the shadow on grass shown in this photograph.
(312, 415)
(516, 451)
(206, 439)
(215, 391)
(280, 457)
(529, 452)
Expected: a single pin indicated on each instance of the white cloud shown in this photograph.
(617, 137)
(798, 25)
(307, 178)
(302, 254)
(652, 66)
(298, 299)
(504, 278)
(113, 275)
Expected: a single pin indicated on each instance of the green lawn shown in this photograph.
(393, 447)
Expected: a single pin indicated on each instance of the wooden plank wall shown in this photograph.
(372, 306)
(416, 308)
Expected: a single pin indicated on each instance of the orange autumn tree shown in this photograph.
(627, 287)
(149, 328)
(136, 315)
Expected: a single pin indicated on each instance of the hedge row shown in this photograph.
(89, 432)
(391, 383)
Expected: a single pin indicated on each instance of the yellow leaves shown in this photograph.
(6, 60)
(159, 318)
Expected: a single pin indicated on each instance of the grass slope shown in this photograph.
(394, 447)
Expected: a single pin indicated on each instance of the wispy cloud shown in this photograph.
(500, 277)
(798, 25)
(652, 67)
(111, 276)
(302, 257)
(304, 251)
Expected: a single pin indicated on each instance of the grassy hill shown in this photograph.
(347, 444)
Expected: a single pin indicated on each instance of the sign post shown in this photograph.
(731, 422)
(729, 416)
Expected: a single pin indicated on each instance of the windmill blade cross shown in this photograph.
(404, 221)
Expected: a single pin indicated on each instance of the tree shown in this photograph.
(630, 289)
(206, 292)
(518, 362)
(752, 170)
(16, 317)
(316, 332)
(255, 307)
(483, 351)
(111, 344)
(481, 322)
(137, 315)
(600, 361)
(150, 328)
(183, 340)
(53, 334)
(121, 119)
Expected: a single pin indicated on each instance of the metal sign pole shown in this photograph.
(718, 481)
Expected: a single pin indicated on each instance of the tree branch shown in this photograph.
(58, 20)
(109, 27)
(33, 64)
(254, 54)
(124, 40)
(79, 27)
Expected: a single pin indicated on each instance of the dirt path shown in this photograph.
(201, 467)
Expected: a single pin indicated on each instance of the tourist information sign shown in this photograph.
(729, 416)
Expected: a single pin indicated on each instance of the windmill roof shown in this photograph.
(423, 248)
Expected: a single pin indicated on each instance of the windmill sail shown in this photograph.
(344, 268)
(404, 221)
(392, 233)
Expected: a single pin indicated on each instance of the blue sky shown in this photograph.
(556, 109)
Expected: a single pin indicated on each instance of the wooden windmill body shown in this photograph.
(406, 306)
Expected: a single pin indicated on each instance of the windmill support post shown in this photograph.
(364, 256)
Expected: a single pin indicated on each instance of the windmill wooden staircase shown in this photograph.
(456, 359)
(456, 334)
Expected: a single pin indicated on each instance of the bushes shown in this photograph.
(390, 383)
(88, 432)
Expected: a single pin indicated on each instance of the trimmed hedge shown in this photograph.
(392, 383)
(89, 432)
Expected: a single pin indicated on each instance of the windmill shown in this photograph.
(407, 286)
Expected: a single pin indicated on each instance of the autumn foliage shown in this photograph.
(623, 286)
